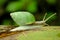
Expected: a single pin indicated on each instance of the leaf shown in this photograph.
(14, 6)
(40, 35)
(8, 22)
(23, 18)
(32, 7)
(2, 2)
(51, 1)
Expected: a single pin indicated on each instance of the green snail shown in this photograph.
(23, 19)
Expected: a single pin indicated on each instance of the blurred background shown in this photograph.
(37, 7)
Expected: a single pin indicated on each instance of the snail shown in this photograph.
(24, 19)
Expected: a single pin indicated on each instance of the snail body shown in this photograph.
(24, 19)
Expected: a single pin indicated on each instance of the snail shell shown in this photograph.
(23, 18)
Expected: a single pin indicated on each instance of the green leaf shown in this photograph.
(32, 7)
(51, 1)
(14, 6)
(40, 35)
(23, 18)
(8, 22)
(2, 2)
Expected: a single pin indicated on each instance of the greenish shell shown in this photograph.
(23, 18)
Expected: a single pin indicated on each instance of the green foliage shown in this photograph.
(52, 18)
(51, 1)
(40, 35)
(14, 6)
(25, 5)
(32, 7)
(8, 22)
(28, 5)
(2, 2)
(1, 11)
(23, 18)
